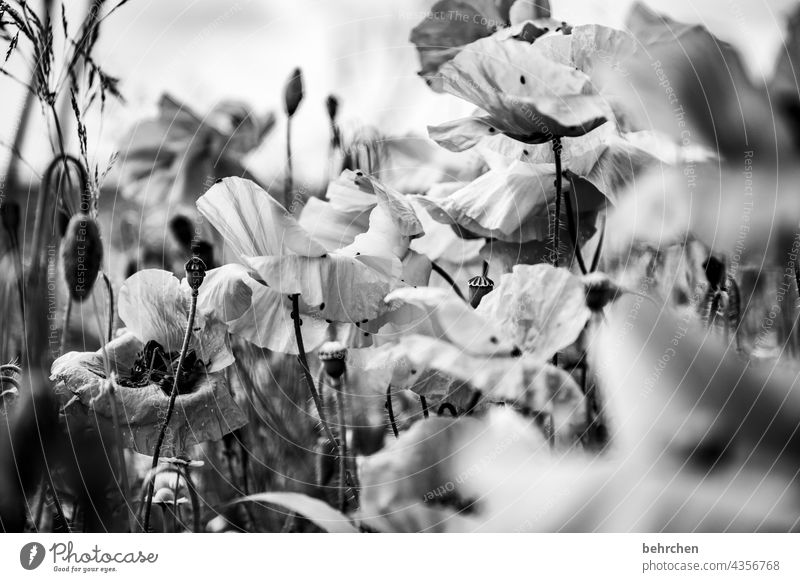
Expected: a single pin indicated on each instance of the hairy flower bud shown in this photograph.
(11, 217)
(81, 254)
(293, 93)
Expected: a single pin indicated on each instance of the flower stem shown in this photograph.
(390, 411)
(289, 177)
(556, 231)
(301, 356)
(340, 409)
(598, 251)
(424, 403)
(572, 228)
(444, 275)
(173, 395)
(110, 290)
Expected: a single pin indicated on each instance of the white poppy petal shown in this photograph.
(543, 308)
(268, 323)
(253, 223)
(154, 307)
(339, 288)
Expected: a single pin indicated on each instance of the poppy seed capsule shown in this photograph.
(600, 290)
(479, 287)
(293, 93)
(332, 355)
(81, 253)
(195, 272)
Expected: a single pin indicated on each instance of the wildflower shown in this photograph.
(452, 25)
(346, 285)
(153, 305)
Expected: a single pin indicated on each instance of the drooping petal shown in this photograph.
(268, 323)
(338, 288)
(442, 314)
(253, 223)
(543, 308)
(330, 227)
(509, 204)
(526, 95)
(225, 294)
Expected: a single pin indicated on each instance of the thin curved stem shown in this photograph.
(424, 403)
(557, 221)
(599, 249)
(572, 228)
(390, 411)
(289, 176)
(172, 397)
(444, 275)
(110, 290)
(301, 356)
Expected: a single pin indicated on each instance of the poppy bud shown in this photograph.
(10, 216)
(293, 93)
(81, 253)
(479, 287)
(332, 103)
(332, 355)
(195, 272)
(183, 230)
(600, 290)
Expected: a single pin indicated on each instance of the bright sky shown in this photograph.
(206, 50)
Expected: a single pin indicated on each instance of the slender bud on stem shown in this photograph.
(293, 92)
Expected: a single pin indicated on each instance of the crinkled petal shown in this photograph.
(206, 414)
(338, 288)
(268, 323)
(543, 308)
(440, 313)
(225, 294)
(331, 227)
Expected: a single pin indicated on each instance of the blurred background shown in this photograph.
(204, 51)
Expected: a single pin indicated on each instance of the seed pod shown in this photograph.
(332, 355)
(479, 287)
(81, 254)
(195, 272)
(293, 93)
(600, 290)
(183, 231)
(332, 103)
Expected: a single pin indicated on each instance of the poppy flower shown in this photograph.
(172, 157)
(154, 306)
(346, 285)
(524, 94)
(453, 24)
(206, 413)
